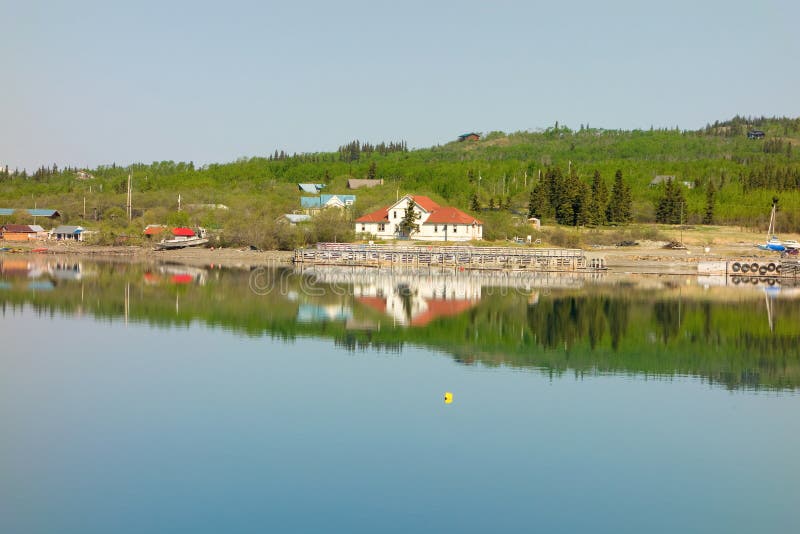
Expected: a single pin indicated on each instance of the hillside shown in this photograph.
(500, 169)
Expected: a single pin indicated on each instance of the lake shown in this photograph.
(157, 397)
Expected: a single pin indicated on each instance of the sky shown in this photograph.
(87, 83)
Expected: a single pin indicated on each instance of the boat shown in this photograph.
(183, 238)
(773, 244)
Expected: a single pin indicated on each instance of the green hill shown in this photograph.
(500, 170)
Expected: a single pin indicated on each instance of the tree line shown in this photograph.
(570, 201)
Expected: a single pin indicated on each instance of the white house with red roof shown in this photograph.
(436, 223)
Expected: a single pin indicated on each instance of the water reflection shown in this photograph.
(739, 335)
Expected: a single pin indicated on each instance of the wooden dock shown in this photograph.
(459, 257)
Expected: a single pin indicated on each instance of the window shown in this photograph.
(381, 227)
(363, 227)
(395, 214)
(455, 228)
(435, 228)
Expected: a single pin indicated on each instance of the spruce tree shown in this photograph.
(409, 223)
(619, 206)
(598, 201)
(708, 217)
(372, 172)
(475, 204)
(491, 203)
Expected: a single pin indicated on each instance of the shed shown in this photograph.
(358, 183)
(295, 218)
(63, 232)
(756, 134)
(17, 232)
(50, 214)
(661, 179)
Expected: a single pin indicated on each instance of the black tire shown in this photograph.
(771, 267)
(762, 270)
(754, 267)
(755, 280)
(736, 280)
(736, 267)
(771, 281)
(777, 269)
(745, 268)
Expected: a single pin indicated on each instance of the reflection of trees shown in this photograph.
(570, 320)
(667, 317)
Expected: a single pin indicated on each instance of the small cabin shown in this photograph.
(471, 136)
(756, 134)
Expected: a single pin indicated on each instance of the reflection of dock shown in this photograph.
(462, 283)
(472, 258)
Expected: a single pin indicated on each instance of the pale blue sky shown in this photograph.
(86, 83)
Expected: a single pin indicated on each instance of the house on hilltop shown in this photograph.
(471, 136)
(756, 134)
(436, 223)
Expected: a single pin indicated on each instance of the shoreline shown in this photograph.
(645, 258)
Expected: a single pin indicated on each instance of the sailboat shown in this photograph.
(773, 243)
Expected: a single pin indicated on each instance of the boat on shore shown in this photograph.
(183, 238)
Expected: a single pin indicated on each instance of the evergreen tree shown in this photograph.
(507, 203)
(475, 204)
(708, 217)
(537, 204)
(598, 200)
(372, 172)
(619, 206)
(664, 206)
(491, 203)
(408, 225)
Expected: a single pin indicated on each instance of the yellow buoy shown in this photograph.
(448, 398)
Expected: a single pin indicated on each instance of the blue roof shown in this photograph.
(323, 200)
(32, 212)
(43, 213)
(310, 188)
(311, 202)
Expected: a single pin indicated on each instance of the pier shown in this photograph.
(459, 257)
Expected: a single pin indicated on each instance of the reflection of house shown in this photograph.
(313, 205)
(64, 232)
(418, 300)
(358, 183)
(319, 313)
(436, 223)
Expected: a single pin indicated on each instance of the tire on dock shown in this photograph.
(736, 267)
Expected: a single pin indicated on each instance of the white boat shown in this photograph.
(182, 239)
(773, 243)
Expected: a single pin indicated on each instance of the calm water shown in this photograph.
(160, 398)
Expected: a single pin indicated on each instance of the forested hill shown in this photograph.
(499, 171)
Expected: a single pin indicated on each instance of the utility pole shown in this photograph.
(130, 199)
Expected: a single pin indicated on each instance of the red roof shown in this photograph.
(186, 232)
(425, 203)
(153, 230)
(441, 308)
(451, 216)
(381, 215)
(17, 229)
